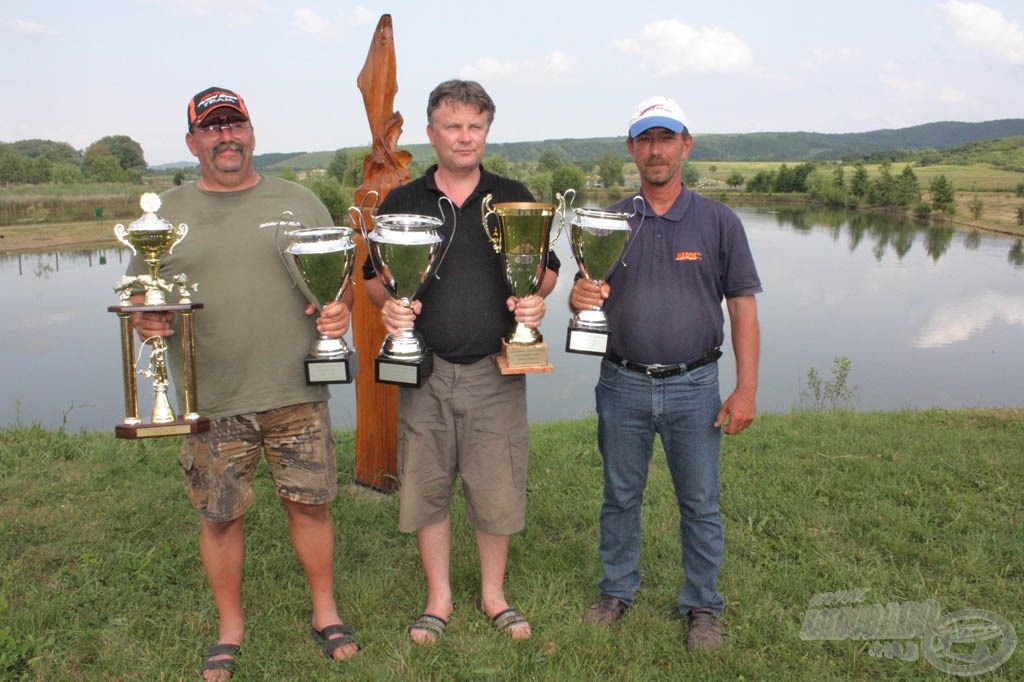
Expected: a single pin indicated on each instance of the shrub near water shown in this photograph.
(63, 203)
(102, 579)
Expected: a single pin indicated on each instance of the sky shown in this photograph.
(78, 71)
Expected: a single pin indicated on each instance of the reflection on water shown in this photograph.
(887, 234)
(927, 316)
(960, 320)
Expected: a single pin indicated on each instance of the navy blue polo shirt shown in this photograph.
(667, 289)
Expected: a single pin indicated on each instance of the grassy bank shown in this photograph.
(999, 218)
(101, 579)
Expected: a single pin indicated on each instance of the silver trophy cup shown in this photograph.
(320, 262)
(403, 249)
(598, 240)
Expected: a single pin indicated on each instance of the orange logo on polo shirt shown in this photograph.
(688, 255)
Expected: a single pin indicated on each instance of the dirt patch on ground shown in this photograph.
(999, 213)
(56, 237)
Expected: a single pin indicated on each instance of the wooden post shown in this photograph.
(384, 168)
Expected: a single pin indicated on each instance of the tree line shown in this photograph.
(114, 158)
(120, 159)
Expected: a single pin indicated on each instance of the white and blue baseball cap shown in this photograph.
(657, 112)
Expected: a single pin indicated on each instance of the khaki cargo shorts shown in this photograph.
(297, 440)
(466, 421)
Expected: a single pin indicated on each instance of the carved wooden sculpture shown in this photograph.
(384, 168)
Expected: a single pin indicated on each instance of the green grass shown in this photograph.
(101, 579)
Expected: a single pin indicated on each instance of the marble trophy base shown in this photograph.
(330, 361)
(586, 341)
(178, 427)
(409, 373)
(330, 371)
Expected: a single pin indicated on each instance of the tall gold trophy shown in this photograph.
(522, 238)
(155, 238)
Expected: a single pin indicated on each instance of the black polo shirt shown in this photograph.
(464, 314)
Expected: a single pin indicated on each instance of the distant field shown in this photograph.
(981, 177)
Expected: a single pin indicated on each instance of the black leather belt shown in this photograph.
(665, 371)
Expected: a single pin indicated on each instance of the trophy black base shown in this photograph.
(523, 359)
(178, 427)
(586, 341)
(337, 371)
(409, 374)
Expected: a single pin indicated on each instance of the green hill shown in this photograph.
(766, 146)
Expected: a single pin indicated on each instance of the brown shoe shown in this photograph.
(705, 633)
(606, 612)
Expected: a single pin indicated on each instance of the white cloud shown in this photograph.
(669, 47)
(312, 24)
(952, 95)
(557, 62)
(489, 66)
(237, 12)
(822, 57)
(362, 16)
(903, 86)
(27, 28)
(986, 30)
(554, 63)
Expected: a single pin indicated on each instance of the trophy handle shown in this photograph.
(451, 237)
(284, 221)
(121, 232)
(638, 205)
(356, 213)
(569, 195)
(564, 203)
(180, 231)
(493, 236)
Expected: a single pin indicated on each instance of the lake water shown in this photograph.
(927, 317)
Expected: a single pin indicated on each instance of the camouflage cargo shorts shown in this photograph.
(297, 440)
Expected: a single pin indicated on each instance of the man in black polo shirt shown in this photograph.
(467, 419)
(664, 306)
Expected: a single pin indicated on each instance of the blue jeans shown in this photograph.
(631, 409)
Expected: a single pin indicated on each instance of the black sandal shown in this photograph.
(232, 652)
(328, 640)
(432, 626)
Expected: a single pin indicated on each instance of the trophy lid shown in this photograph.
(406, 228)
(523, 208)
(604, 220)
(320, 240)
(150, 221)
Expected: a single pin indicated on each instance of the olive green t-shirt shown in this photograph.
(252, 333)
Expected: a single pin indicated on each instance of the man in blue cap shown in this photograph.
(685, 255)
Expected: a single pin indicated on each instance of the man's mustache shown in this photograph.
(228, 147)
